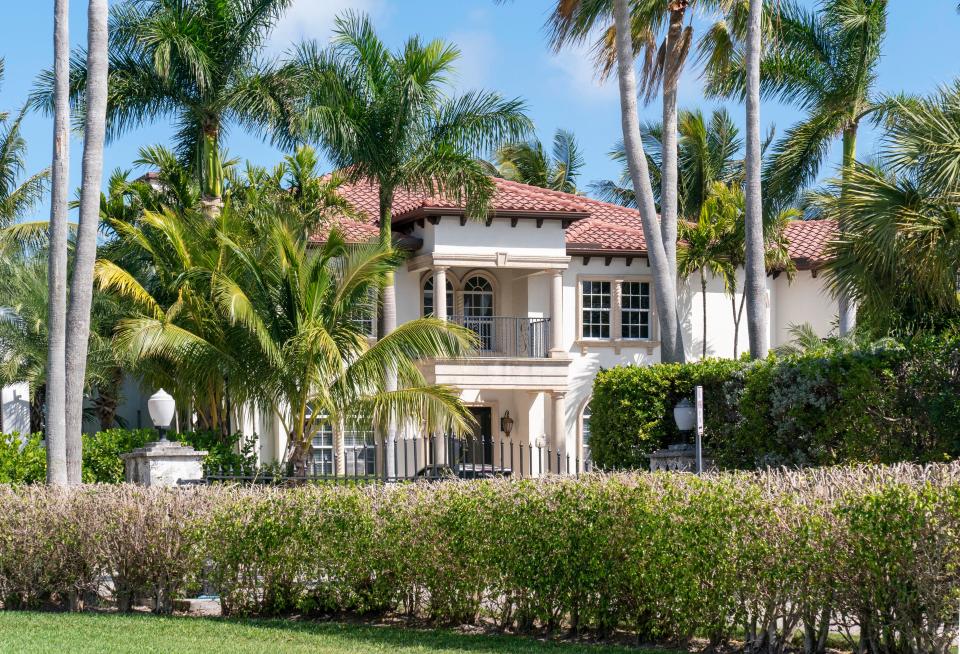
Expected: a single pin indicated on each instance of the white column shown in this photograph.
(556, 313)
(440, 292)
(559, 429)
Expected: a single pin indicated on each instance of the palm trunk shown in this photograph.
(703, 293)
(668, 179)
(756, 273)
(81, 283)
(846, 309)
(388, 323)
(211, 171)
(55, 392)
(664, 282)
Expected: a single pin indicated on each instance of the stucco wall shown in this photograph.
(15, 408)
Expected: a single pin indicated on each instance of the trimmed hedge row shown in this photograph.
(881, 403)
(772, 558)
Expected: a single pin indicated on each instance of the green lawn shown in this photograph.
(105, 633)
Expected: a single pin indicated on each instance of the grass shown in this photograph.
(35, 633)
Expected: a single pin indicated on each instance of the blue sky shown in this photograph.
(504, 48)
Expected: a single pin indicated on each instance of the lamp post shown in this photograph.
(161, 406)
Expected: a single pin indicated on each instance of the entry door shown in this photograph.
(479, 446)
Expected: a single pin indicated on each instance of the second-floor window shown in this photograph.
(614, 309)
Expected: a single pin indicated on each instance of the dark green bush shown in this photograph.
(763, 557)
(23, 459)
(879, 403)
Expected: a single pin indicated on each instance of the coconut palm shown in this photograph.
(81, 280)
(899, 251)
(823, 61)
(383, 118)
(709, 152)
(527, 162)
(197, 63)
(59, 102)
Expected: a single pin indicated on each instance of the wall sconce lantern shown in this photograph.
(506, 424)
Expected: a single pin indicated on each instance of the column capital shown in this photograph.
(556, 272)
(440, 268)
(558, 395)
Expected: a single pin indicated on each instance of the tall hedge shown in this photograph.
(880, 403)
(774, 558)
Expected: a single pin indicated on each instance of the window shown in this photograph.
(428, 298)
(615, 310)
(478, 309)
(596, 300)
(585, 431)
(635, 310)
(359, 450)
(366, 315)
(322, 460)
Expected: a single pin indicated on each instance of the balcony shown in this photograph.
(509, 337)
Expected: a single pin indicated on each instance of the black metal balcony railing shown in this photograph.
(509, 336)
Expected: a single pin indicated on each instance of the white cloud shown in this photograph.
(313, 19)
(577, 67)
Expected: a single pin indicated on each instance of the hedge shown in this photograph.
(23, 459)
(772, 558)
(881, 403)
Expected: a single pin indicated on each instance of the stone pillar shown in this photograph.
(559, 429)
(440, 292)
(163, 463)
(556, 314)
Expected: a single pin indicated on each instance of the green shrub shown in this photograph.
(879, 403)
(23, 459)
(632, 407)
(101, 453)
(771, 558)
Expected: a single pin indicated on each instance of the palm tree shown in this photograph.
(56, 423)
(281, 320)
(703, 249)
(384, 119)
(81, 282)
(708, 153)
(755, 284)
(823, 61)
(899, 251)
(194, 62)
(527, 162)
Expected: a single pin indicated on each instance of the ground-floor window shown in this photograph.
(359, 450)
(585, 416)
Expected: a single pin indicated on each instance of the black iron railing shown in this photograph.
(509, 336)
(433, 459)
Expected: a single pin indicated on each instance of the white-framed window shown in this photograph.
(596, 301)
(635, 310)
(615, 309)
(359, 450)
(585, 417)
(366, 315)
(428, 297)
(321, 462)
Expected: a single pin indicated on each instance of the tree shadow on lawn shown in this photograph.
(439, 639)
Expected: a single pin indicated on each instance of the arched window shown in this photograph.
(428, 298)
(585, 416)
(478, 309)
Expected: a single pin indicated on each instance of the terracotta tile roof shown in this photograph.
(595, 227)
(510, 198)
(353, 230)
(808, 240)
(597, 235)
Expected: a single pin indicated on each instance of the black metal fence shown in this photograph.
(406, 460)
(509, 336)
